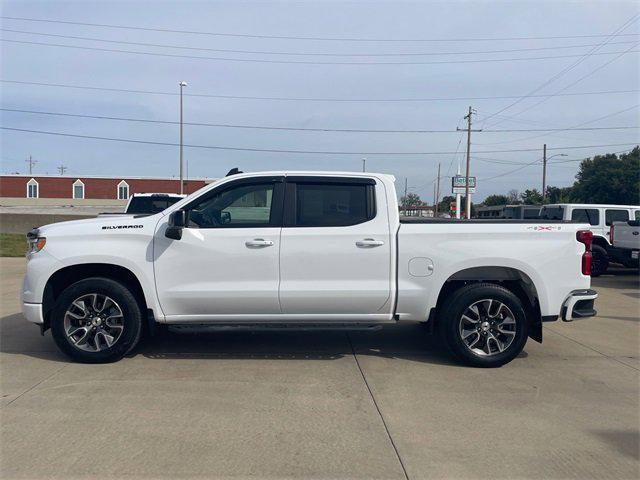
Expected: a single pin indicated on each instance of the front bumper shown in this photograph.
(33, 312)
(579, 304)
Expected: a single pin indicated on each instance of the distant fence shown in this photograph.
(23, 222)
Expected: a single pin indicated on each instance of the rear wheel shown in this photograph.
(599, 260)
(483, 325)
(96, 320)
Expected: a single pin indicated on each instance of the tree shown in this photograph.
(493, 200)
(531, 197)
(445, 203)
(411, 200)
(514, 197)
(609, 179)
(559, 194)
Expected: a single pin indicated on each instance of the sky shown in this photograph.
(366, 65)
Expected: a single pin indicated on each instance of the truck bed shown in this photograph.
(481, 220)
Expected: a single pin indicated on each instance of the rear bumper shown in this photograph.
(579, 304)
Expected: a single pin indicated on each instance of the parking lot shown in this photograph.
(385, 404)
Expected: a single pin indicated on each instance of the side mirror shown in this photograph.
(177, 221)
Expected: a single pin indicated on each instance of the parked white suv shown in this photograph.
(306, 249)
(600, 218)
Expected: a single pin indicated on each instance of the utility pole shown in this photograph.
(31, 162)
(466, 187)
(364, 164)
(62, 169)
(435, 205)
(434, 200)
(458, 199)
(182, 84)
(544, 172)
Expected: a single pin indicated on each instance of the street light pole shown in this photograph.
(544, 169)
(182, 84)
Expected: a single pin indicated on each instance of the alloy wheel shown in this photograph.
(487, 327)
(93, 322)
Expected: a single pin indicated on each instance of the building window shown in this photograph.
(123, 190)
(32, 188)
(78, 189)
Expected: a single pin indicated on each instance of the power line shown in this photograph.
(588, 74)
(303, 99)
(251, 149)
(538, 161)
(312, 54)
(572, 128)
(290, 37)
(303, 129)
(297, 62)
(565, 70)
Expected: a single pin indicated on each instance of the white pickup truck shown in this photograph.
(308, 250)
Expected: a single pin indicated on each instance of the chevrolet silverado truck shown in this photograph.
(305, 250)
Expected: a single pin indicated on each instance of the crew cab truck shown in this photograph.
(309, 250)
(600, 217)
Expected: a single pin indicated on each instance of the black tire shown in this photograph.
(131, 320)
(450, 318)
(599, 260)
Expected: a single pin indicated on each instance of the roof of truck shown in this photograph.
(291, 173)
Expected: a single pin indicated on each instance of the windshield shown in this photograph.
(150, 204)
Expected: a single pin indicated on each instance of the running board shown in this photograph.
(272, 328)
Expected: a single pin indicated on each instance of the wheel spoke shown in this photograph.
(110, 324)
(467, 333)
(94, 301)
(469, 319)
(475, 340)
(496, 341)
(85, 336)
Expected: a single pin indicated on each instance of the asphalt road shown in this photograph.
(386, 404)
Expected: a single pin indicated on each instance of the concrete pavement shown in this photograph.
(385, 404)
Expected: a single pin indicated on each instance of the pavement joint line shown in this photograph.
(594, 350)
(375, 403)
(38, 383)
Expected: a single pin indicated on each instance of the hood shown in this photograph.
(128, 223)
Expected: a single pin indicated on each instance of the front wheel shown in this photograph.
(96, 320)
(483, 325)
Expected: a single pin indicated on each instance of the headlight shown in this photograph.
(36, 244)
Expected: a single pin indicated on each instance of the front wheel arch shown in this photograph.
(65, 277)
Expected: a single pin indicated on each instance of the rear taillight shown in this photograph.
(611, 234)
(585, 237)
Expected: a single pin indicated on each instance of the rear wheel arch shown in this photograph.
(513, 279)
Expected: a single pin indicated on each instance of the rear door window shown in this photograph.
(318, 204)
(586, 215)
(616, 215)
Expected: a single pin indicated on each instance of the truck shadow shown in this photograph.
(410, 341)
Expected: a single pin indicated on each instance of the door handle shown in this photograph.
(258, 243)
(369, 243)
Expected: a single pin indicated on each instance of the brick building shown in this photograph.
(90, 187)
